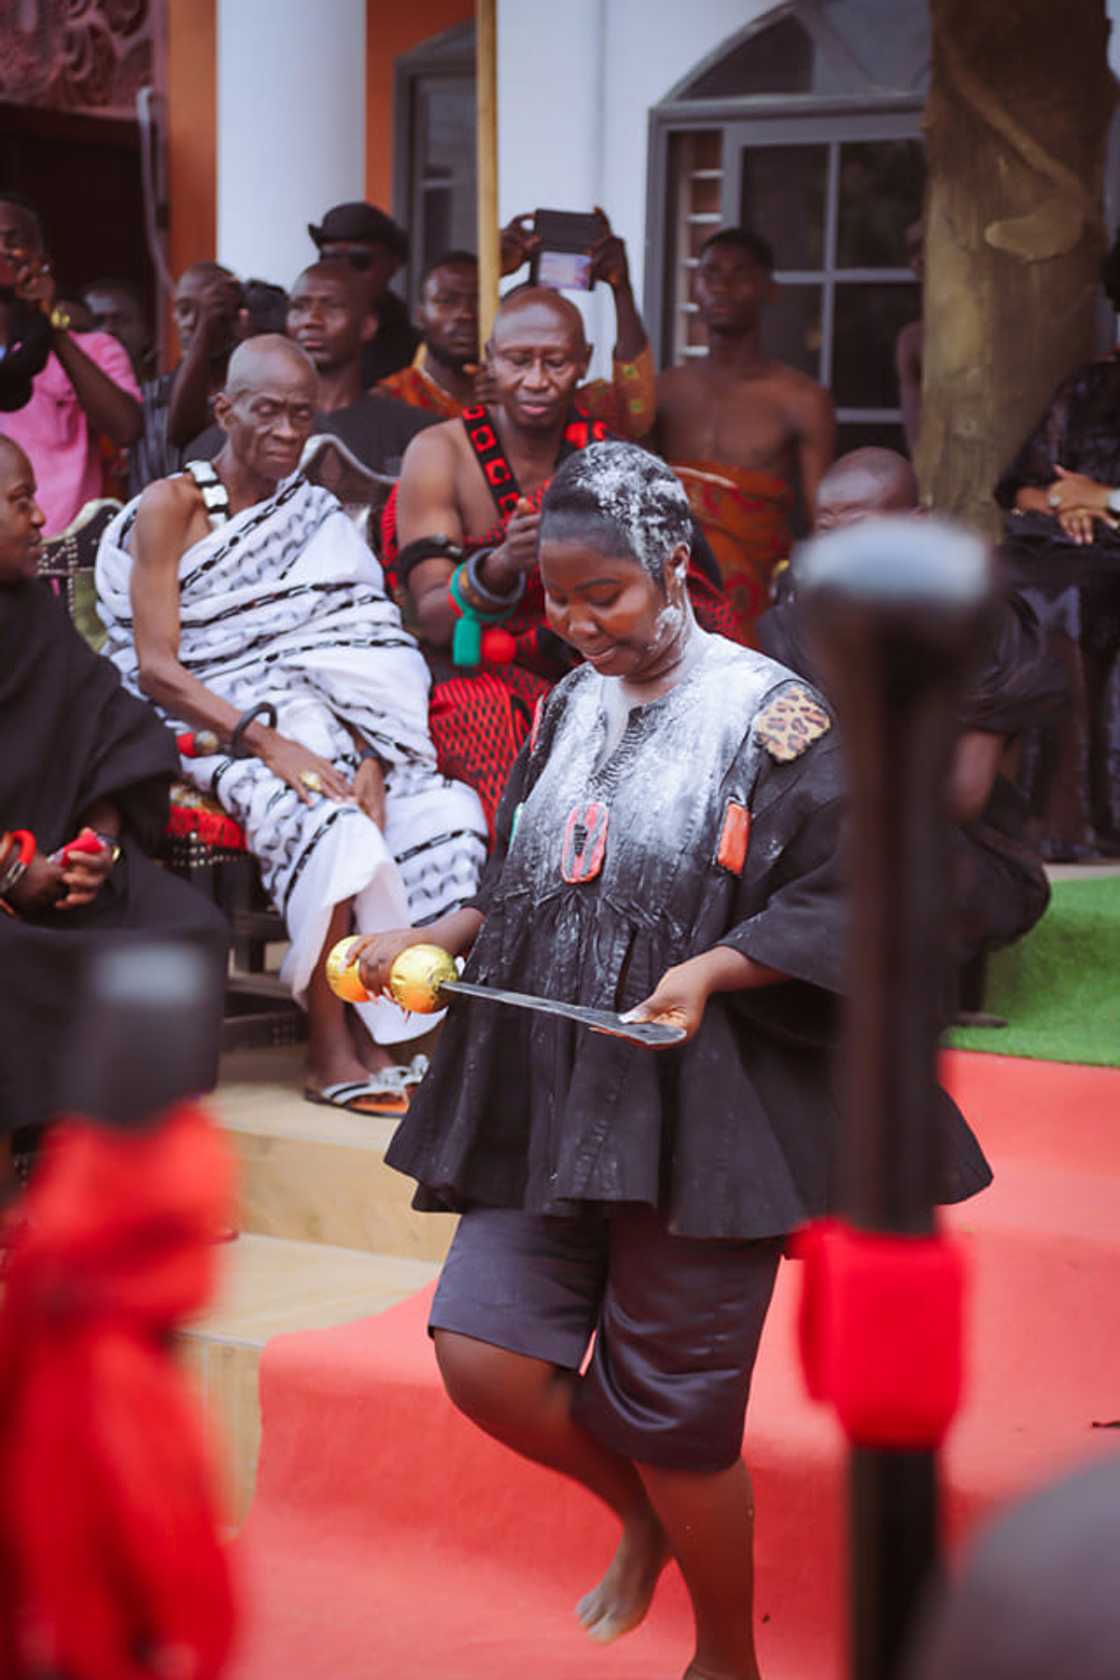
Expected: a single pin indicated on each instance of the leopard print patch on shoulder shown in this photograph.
(792, 721)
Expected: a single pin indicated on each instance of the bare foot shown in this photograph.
(622, 1597)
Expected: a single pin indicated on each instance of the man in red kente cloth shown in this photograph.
(461, 539)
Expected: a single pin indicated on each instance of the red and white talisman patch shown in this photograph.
(734, 838)
(585, 842)
(790, 723)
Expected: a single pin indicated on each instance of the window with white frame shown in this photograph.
(789, 132)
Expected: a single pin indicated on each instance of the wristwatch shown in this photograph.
(1113, 502)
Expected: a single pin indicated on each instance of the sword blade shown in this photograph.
(602, 1020)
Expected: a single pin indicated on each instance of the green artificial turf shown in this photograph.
(1058, 989)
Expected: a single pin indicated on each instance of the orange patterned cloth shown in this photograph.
(745, 516)
(413, 386)
(626, 403)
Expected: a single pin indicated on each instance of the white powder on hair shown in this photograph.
(630, 489)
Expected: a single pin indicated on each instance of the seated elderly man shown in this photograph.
(241, 601)
(83, 762)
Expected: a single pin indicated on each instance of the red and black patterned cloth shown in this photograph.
(480, 718)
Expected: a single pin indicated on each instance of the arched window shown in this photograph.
(806, 126)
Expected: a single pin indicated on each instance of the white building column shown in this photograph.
(291, 79)
(551, 82)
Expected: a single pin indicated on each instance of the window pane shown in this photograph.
(867, 323)
(693, 190)
(446, 136)
(792, 328)
(784, 191)
(881, 186)
(890, 41)
(780, 59)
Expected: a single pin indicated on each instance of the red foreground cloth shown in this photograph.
(110, 1564)
(881, 1331)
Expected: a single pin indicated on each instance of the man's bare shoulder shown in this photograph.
(168, 498)
(435, 446)
(166, 511)
(803, 395)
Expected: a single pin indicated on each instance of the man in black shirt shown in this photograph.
(329, 318)
(372, 245)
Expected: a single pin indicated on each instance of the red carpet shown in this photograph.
(390, 1538)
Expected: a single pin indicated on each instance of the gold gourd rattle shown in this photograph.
(424, 978)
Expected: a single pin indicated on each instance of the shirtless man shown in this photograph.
(469, 505)
(740, 428)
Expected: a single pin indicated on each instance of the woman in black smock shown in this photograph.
(668, 845)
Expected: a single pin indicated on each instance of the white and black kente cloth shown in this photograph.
(285, 602)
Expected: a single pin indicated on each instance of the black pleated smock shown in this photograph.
(733, 1135)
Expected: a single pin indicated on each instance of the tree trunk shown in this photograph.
(1016, 125)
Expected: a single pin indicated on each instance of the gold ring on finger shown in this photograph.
(311, 780)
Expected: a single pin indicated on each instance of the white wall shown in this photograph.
(291, 127)
(575, 85)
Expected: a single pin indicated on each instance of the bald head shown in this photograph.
(267, 409)
(865, 483)
(270, 359)
(536, 357)
(539, 303)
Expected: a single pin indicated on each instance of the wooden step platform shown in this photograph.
(327, 1236)
(271, 1285)
(315, 1174)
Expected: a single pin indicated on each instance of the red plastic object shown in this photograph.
(881, 1331)
(86, 841)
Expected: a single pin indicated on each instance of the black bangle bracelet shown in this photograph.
(491, 601)
(266, 710)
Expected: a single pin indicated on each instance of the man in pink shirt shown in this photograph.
(86, 390)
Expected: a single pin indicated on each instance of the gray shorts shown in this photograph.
(676, 1321)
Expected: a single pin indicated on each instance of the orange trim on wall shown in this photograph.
(192, 125)
(392, 29)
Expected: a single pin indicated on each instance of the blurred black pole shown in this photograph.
(146, 1032)
(894, 607)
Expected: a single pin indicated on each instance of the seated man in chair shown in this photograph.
(240, 599)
